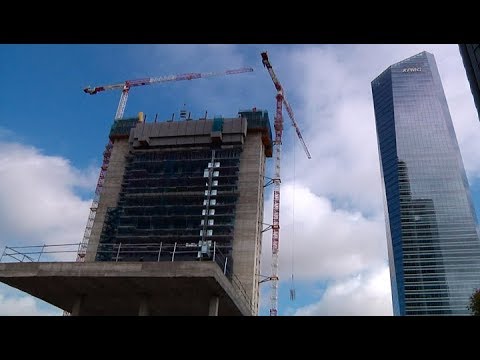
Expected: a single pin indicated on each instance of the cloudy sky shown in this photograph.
(332, 237)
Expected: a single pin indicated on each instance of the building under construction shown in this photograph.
(178, 226)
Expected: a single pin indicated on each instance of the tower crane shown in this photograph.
(278, 126)
(126, 85)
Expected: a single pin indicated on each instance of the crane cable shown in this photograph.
(292, 286)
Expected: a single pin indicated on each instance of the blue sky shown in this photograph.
(52, 136)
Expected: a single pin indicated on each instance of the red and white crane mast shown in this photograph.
(278, 126)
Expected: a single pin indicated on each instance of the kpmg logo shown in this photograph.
(412, 69)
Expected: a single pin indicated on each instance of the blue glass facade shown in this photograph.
(433, 245)
(471, 60)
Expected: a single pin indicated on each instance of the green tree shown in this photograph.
(474, 305)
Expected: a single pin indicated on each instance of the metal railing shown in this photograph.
(161, 252)
(34, 253)
(122, 252)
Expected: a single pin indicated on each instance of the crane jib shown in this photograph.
(238, 71)
(189, 76)
(137, 82)
(125, 86)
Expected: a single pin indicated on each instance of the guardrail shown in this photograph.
(121, 252)
(34, 253)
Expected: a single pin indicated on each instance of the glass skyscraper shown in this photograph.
(471, 60)
(433, 245)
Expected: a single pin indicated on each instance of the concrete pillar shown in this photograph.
(77, 304)
(110, 194)
(248, 216)
(213, 306)
(143, 309)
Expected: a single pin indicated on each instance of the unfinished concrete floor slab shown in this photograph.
(137, 288)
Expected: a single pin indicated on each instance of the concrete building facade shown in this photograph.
(182, 200)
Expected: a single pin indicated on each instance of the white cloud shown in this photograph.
(23, 306)
(363, 294)
(37, 200)
(327, 242)
(38, 205)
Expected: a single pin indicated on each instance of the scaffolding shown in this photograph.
(82, 249)
(175, 198)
